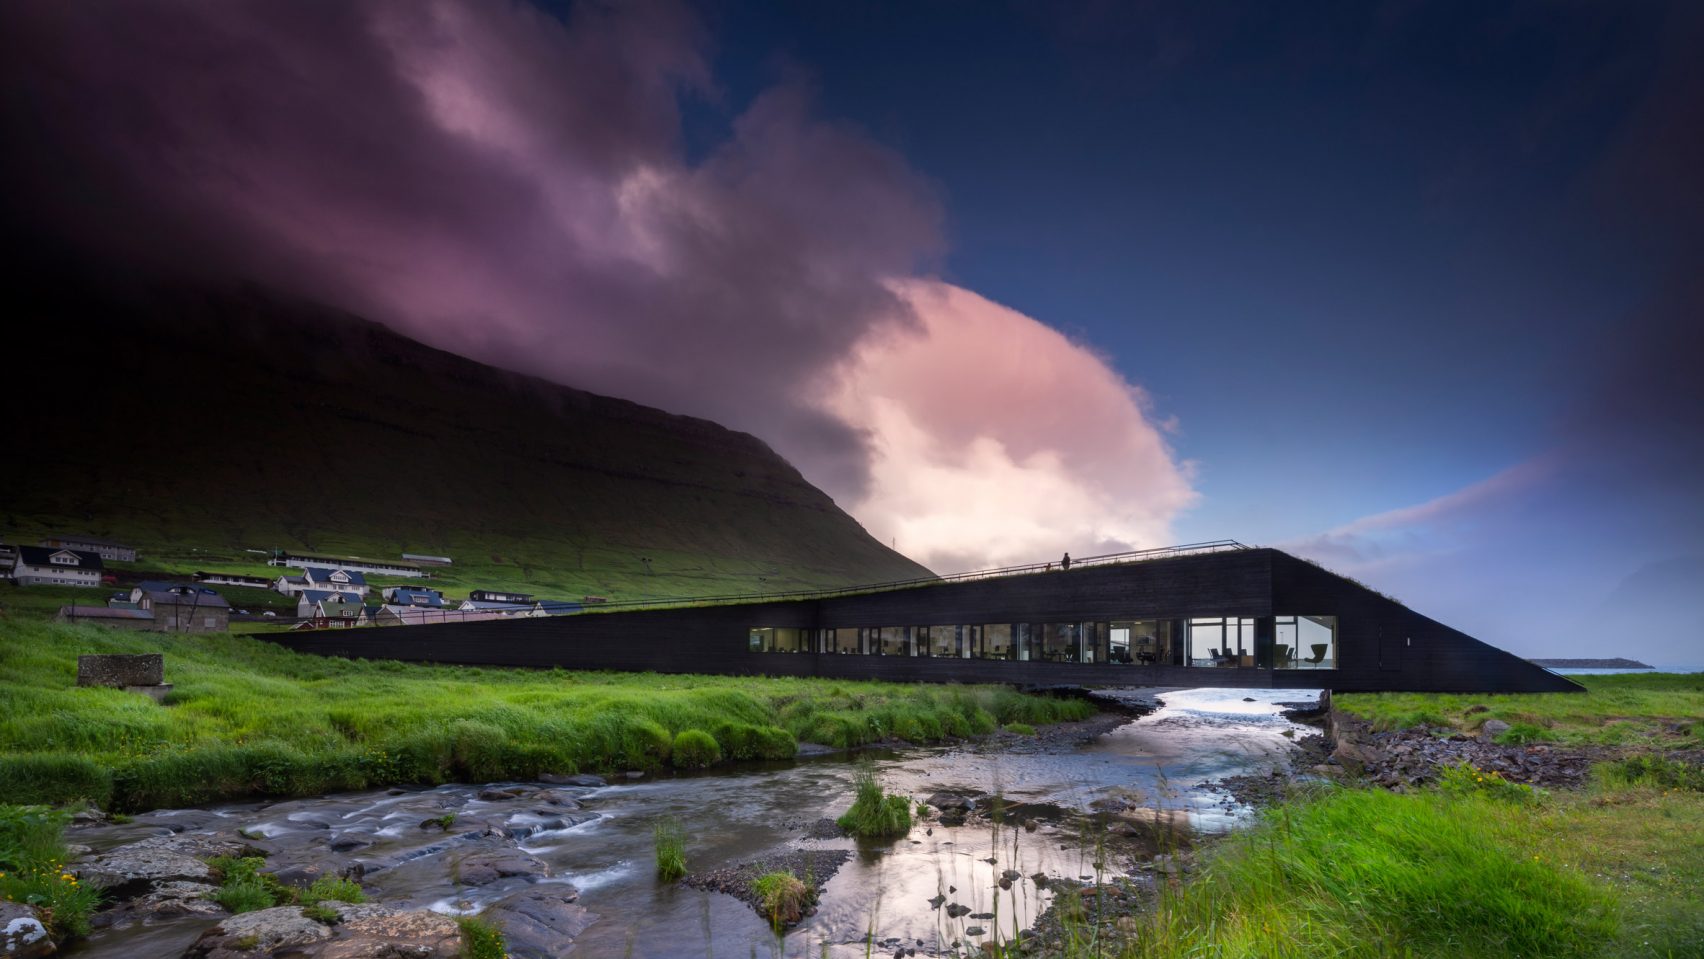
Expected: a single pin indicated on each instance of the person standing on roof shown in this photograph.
(1065, 564)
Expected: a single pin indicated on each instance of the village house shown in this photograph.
(413, 596)
(336, 580)
(47, 566)
(386, 567)
(233, 579)
(117, 617)
(314, 604)
(106, 549)
(182, 608)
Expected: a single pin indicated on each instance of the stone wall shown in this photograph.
(120, 671)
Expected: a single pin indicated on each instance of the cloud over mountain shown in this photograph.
(499, 182)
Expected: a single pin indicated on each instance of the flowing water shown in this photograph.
(1147, 775)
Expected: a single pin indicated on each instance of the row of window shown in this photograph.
(1297, 642)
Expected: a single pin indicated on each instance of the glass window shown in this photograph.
(893, 641)
(997, 642)
(1219, 641)
(1305, 642)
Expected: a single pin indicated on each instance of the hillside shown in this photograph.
(208, 428)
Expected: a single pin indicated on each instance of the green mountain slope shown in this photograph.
(201, 426)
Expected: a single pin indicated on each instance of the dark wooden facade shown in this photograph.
(1380, 644)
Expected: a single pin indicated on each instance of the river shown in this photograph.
(1147, 779)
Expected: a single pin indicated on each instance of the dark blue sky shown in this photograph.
(1359, 253)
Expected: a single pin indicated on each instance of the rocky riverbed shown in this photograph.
(566, 867)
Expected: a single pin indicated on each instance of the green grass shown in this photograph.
(250, 718)
(244, 888)
(481, 940)
(782, 898)
(874, 813)
(694, 749)
(1647, 710)
(33, 869)
(670, 837)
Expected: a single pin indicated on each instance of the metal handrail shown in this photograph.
(1106, 559)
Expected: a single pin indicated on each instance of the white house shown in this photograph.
(387, 567)
(326, 605)
(233, 579)
(335, 580)
(45, 566)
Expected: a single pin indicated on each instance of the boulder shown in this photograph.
(22, 933)
(484, 868)
(583, 780)
(382, 933)
(170, 900)
(1493, 728)
(541, 922)
(258, 933)
(134, 869)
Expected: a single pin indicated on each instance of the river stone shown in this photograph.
(393, 934)
(484, 868)
(22, 934)
(542, 922)
(136, 868)
(584, 780)
(258, 933)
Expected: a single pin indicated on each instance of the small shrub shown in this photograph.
(1653, 771)
(782, 898)
(443, 822)
(1463, 779)
(480, 939)
(244, 888)
(32, 849)
(695, 749)
(1022, 729)
(1519, 734)
(334, 888)
(875, 814)
(324, 915)
(670, 838)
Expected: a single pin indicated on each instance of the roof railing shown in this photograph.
(1105, 559)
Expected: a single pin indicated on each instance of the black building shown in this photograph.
(1216, 615)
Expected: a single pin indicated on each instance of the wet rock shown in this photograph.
(936, 901)
(22, 933)
(391, 934)
(954, 910)
(541, 923)
(502, 793)
(485, 868)
(814, 866)
(258, 933)
(824, 829)
(167, 901)
(134, 869)
(976, 931)
(945, 800)
(552, 797)
(583, 780)
(350, 841)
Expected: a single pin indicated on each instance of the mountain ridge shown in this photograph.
(214, 420)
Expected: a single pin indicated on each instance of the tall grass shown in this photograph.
(1364, 873)
(34, 870)
(670, 838)
(250, 718)
(874, 813)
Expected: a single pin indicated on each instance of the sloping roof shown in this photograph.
(317, 596)
(103, 612)
(188, 596)
(42, 556)
(557, 607)
(91, 540)
(322, 574)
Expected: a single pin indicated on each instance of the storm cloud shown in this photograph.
(514, 186)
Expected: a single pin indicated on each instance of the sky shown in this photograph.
(1411, 289)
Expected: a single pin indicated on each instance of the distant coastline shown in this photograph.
(1590, 664)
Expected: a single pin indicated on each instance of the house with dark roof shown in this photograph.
(313, 604)
(50, 566)
(184, 608)
(336, 580)
(414, 596)
(106, 549)
(138, 619)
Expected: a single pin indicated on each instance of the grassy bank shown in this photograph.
(1474, 867)
(1642, 710)
(250, 718)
